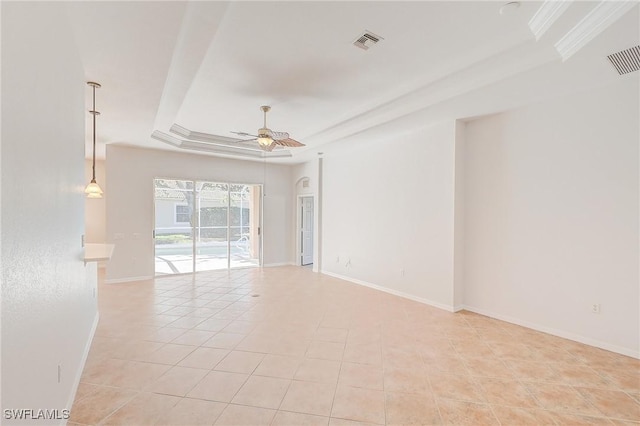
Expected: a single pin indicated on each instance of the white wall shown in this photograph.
(130, 173)
(48, 305)
(388, 207)
(458, 219)
(551, 216)
(95, 212)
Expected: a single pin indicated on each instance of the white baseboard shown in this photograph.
(273, 265)
(391, 291)
(555, 332)
(85, 354)
(127, 280)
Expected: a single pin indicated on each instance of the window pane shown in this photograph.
(212, 230)
(173, 229)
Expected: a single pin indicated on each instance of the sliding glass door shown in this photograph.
(204, 226)
(173, 234)
(212, 230)
(244, 225)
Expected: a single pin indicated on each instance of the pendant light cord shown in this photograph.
(93, 190)
(93, 112)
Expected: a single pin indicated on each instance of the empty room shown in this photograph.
(320, 213)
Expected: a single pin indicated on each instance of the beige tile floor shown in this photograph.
(286, 346)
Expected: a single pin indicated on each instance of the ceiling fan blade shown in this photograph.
(288, 142)
(277, 138)
(244, 134)
(278, 135)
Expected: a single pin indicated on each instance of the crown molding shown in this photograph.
(163, 137)
(217, 148)
(179, 130)
(596, 21)
(201, 136)
(548, 13)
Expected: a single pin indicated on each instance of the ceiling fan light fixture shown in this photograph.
(267, 139)
(264, 140)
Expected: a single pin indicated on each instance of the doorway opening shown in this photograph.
(205, 226)
(306, 231)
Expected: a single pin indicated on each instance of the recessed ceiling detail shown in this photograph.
(176, 129)
(626, 61)
(214, 144)
(366, 40)
(207, 73)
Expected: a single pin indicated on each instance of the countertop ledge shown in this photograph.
(96, 252)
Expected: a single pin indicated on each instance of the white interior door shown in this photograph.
(306, 231)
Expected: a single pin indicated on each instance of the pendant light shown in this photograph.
(93, 189)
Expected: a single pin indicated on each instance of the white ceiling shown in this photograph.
(207, 67)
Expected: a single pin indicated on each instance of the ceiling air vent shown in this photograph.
(626, 61)
(366, 40)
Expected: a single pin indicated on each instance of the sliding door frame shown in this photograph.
(194, 227)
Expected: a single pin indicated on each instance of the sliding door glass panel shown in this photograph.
(243, 228)
(174, 220)
(212, 226)
(204, 226)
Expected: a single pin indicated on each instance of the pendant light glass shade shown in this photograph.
(93, 190)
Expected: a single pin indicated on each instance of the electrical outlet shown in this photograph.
(595, 308)
(82, 241)
(402, 272)
(337, 259)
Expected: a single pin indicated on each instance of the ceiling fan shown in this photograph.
(268, 139)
